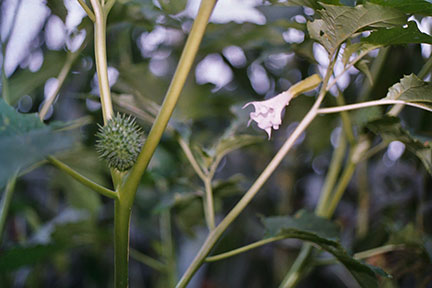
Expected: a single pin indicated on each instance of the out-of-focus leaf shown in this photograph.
(23, 256)
(26, 81)
(25, 140)
(338, 23)
(322, 232)
(407, 6)
(231, 186)
(173, 6)
(362, 65)
(310, 3)
(58, 8)
(229, 144)
(361, 117)
(390, 129)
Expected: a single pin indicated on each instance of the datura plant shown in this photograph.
(341, 54)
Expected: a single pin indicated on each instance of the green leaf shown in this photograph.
(25, 140)
(173, 6)
(362, 65)
(411, 89)
(385, 37)
(398, 36)
(58, 8)
(23, 256)
(407, 6)
(322, 232)
(339, 23)
(390, 129)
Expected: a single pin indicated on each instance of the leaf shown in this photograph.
(311, 3)
(398, 36)
(322, 232)
(173, 6)
(25, 140)
(362, 65)
(58, 8)
(411, 89)
(338, 23)
(385, 37)
(390, 129)
(407, 6)
(23, 256)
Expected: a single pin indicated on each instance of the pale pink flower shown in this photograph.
(268, 113)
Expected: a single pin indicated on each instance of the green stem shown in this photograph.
(296, 271)
(172, 95)
(122, 215)
(147, 260)
(129, 186)
(87, 9)
(215, 234)
(82, 179)
(243, 249)
(369, 104)
(168, 249)
(101, 60)
(333, 172)
(71, 57)
(5, 203)
(209, 204)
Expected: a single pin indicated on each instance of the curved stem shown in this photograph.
(294, 275)
(243, 249)
(82, 179)
(5, 203)
(332, 174)
(71, 57)
(369, 104)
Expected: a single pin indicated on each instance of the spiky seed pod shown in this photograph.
(119, 142)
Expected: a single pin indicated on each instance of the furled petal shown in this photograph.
(267, 113)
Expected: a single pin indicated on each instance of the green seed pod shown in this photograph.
(119, 142)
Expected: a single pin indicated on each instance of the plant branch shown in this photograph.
(5, 203)
(369, 104)
(101, 60)
(209, 203)
(172, 95)
(188, 153)
(259, 182)
(71, 57)
(147, 260)
(243, 249)
(87, 9)
(82, 179)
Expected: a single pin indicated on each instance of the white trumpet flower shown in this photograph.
(268, 113)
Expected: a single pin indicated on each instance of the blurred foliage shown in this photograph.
(58, 233)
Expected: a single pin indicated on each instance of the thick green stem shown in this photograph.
(122, 215)
(5, 202)
(172, 95)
